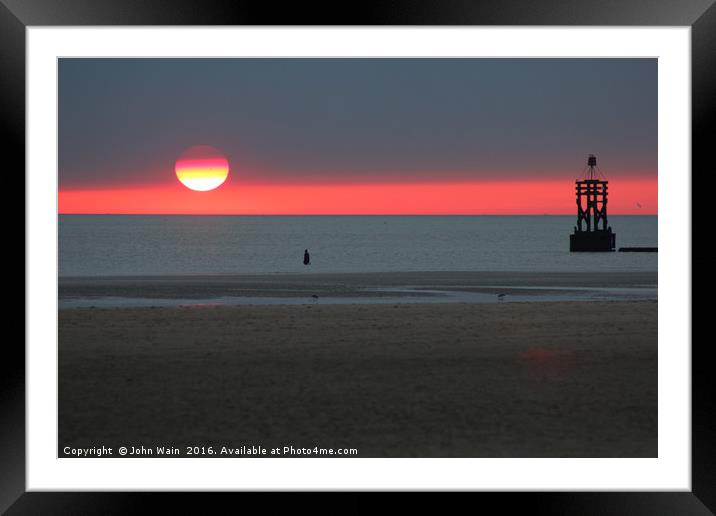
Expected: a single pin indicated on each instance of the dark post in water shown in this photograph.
(592, 232)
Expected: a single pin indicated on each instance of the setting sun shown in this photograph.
(202, 168)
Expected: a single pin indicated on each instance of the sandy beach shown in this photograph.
(569, 379)
(344, 285)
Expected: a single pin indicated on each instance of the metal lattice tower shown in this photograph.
(592, 232)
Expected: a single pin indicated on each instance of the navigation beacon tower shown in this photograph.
(592, 232)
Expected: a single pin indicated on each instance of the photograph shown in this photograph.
(376, 257)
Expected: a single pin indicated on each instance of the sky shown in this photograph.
(357, 136)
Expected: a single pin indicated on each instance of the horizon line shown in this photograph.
(360, 214)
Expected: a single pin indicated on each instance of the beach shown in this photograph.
(501, 379)
(400, 287)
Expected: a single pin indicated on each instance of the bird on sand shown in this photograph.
(501, 297)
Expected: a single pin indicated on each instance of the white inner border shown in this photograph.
(670, 471)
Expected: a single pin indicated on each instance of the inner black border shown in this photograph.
(16, 15)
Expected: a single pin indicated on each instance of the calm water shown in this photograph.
(95, 245)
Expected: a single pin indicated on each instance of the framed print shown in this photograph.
(419, 249)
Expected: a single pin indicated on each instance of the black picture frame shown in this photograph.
(16, 15)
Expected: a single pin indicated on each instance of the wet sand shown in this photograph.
(343, 285)
(546, 379)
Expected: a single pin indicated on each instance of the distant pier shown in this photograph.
(638, 249)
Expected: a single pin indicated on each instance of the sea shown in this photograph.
(138, 245)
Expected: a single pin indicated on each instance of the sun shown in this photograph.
(202, 168)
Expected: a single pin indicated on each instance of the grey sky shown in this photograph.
(125, 121)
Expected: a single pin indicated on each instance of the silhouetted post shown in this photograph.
(592, 198)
